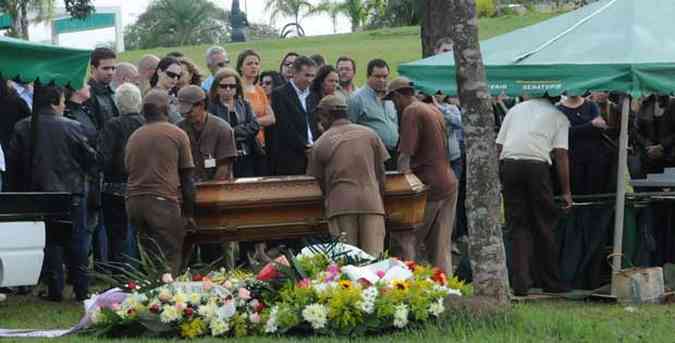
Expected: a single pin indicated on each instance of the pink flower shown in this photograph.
(227, 284)
(254, 318)
(305, 283)
(115, 307)
(333, 271)
(207, 284)
(380, 273)
(244, 294)
(167, 278)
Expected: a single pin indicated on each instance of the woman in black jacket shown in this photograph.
(226, 101)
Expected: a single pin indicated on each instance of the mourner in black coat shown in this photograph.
(296, 127)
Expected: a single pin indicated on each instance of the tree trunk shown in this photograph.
(23, 20)
(435, 25)
(486, 246)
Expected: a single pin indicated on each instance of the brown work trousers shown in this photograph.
(532, 217)
(160, 226)
(365, 231)
(431, 242)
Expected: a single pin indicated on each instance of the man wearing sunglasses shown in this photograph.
(216, 59)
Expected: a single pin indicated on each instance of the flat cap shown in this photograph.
(398, 84)
(188, 96)
(332, 102)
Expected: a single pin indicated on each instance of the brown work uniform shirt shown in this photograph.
(213, 143)
(154, 155)
(423, 138)
(348, 160)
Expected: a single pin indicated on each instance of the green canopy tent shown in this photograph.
(611, 45)
(30, 61)
(42, 64)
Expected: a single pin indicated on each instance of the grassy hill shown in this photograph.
(396, 46)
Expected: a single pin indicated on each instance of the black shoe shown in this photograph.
(52, 298)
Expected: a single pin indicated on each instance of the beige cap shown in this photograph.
(398, 84)
(332, 102)
(188, 96)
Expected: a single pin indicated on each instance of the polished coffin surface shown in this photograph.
(290, 207)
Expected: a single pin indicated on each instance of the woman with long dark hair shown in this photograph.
(226, 100)
(166, 77)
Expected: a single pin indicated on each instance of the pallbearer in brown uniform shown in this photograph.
(213, 150)
(348, 160)
(423, 149)
(159, 162)
(211, 138)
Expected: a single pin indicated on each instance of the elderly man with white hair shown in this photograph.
(113, 143)
(216, 59)
(125, 72)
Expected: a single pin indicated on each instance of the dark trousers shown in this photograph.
(245, 166)
(161, 228)
(532, 217)
(72, 244)
(392, 163)
(123, 244)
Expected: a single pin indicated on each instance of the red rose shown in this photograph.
(260, 307)
(270, 272)
(188, 312)
(411, 265)
(131, 312)
(131, 285)
(197, 277)
(155, 308)
(439, 277)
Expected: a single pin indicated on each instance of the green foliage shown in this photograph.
(170, 23)
(396, 13)
(485, 8)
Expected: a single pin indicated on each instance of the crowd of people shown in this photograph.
(133, 142)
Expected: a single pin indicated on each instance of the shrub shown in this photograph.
(485, 8)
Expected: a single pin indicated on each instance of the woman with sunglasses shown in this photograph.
(269, 80)
(167, 74)
(248, 66)
(227, 102)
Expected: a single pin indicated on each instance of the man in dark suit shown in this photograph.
(296, 127)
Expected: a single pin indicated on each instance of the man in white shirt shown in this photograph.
(531, 131)
(296, 129)
(2, 166)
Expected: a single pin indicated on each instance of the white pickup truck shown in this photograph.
(23, 233)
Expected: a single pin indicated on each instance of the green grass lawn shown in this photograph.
(396, 46)
(550, 321)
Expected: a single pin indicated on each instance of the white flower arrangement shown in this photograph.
(316, 315)
(436, 308)
(271, 325)
(401, 316)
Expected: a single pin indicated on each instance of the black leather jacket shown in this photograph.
(243, 122)
(82, 114)
(62, 159)
(113, 145)
(101, 103)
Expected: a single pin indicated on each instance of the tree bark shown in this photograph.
(486, 246)
(434, 24)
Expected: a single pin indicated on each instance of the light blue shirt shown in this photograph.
(453, 122)
(366, 108)
(25, 92)
(206, 84)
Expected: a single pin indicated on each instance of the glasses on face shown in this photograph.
(227, 85)
(172, 75)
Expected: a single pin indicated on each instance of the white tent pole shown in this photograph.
(620, 188)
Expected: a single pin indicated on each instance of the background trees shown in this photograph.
(43, 10)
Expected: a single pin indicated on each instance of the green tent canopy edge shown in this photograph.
(29, 61)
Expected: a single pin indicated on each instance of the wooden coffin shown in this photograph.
(271, 208)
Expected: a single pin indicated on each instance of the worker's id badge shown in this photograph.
(210, 162)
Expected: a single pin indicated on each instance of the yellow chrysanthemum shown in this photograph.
(400, 285)
(193, 328)
(345, 284)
